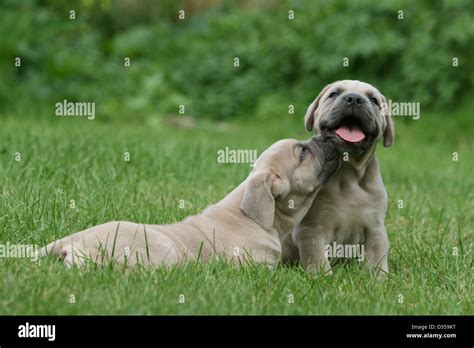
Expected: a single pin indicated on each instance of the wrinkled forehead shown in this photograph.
(353, 86)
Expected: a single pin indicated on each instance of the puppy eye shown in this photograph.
(303, 152)
(333, 94)
(373, 100)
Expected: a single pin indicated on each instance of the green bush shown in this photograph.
(191, 62)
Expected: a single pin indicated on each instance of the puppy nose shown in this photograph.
(354, 98)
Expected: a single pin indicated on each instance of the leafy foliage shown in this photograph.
(191, 62)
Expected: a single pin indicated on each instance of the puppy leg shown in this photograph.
(377, 250)
(125, 242)
(312, 251)
(72, 255)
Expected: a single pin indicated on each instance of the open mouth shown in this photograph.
(350, 131)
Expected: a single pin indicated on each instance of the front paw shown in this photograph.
(323, 268)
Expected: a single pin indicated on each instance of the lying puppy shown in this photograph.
(351, 208)
(247, 224)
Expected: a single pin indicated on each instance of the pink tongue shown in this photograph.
(352, 133)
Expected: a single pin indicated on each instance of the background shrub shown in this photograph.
(191, 62)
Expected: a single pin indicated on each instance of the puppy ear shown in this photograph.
(258, 202)
(389, 133)
(309, 117)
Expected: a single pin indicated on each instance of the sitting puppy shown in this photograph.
(350, 210)
(247, 224)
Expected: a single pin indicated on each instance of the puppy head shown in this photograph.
(353, 112)
(286, 178)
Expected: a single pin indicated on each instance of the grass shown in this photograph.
(64, 159)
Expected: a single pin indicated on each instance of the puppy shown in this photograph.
(351, 208)
(247, 224)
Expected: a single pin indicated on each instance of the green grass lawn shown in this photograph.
(65, 159)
